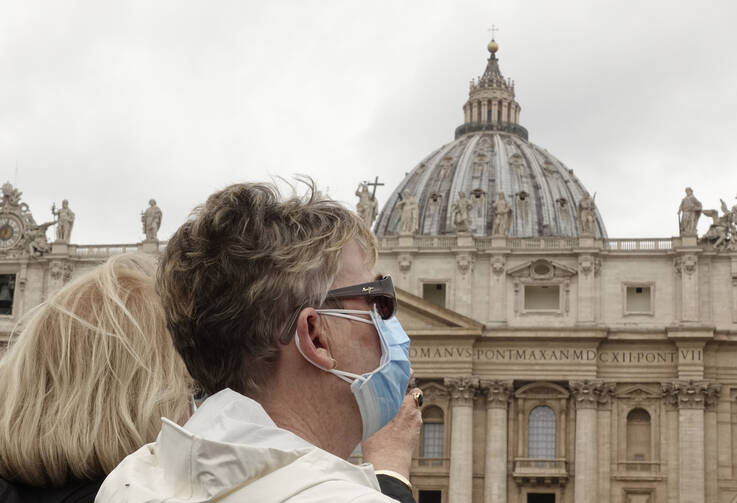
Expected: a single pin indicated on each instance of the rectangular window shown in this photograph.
(7, 292)
(432, 440)
(434, 293)
(542, 297)
(638, 299)
(430, 496)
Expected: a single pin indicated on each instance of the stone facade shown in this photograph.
(601, 352)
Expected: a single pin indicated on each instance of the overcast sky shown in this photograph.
(110, 103)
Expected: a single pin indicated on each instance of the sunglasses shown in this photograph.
(379, 293)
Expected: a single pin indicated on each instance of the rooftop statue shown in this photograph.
(461, 213)
(722, 232)
(409, 213)
(502, 216)
(151, 220)
(35, 239)
(587, 215)
(367, 206)
(688, 214)
(65, 221)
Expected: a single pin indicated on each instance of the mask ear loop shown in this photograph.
(348, 377)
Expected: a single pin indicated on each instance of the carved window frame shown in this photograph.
(639, 397)
(421, 282)
(525, 399)
(638, 284)
(436, 395)
(18, 291)
(562, 300)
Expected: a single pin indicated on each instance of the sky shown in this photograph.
(109, 104)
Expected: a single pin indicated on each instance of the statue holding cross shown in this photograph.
(367, 207)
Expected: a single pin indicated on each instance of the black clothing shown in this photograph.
(395, 488)
(74, 492)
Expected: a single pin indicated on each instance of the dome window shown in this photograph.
(477, 193)
(562, 202)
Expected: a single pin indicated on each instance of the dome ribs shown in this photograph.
(481, 165)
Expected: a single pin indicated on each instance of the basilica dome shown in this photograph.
(491, 158)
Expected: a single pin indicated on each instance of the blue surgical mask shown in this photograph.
(379, 393)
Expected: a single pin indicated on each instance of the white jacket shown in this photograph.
(231, 451)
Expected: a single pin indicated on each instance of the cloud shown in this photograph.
(108, 104)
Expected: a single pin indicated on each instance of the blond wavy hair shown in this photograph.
(87, 381)
(234, 277)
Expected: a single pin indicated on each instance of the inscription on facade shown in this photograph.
(566, 355)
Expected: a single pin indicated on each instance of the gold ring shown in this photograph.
(417, 395)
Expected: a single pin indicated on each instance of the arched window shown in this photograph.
(638, 435)
(541, 433)
(432, 432)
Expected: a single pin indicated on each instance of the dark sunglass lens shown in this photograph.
(385, 307)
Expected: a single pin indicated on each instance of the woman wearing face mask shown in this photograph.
(86, 383)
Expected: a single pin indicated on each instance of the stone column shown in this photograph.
(475, 112)
(669, 458)
(495, 111)
(505, 111)
(495, 475)
(604, 429)
(484, 114)
(711, 462)
(690, 397)
(586, 396)
(462, 392)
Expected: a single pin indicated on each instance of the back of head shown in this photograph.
(88, 379)
(235, 276)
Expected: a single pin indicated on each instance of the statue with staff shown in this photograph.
(367, 207)
(65, 221)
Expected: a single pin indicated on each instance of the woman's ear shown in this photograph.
(313, 338)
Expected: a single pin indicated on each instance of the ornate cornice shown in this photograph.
(497, 392)
(586, 393)
(462, 390)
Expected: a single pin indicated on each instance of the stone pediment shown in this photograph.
(420, 317)
(542, 269)
(639, 392)
(544, 390)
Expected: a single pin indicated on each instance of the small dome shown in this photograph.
(543, 193)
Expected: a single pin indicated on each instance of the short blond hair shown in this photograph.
(235, 276)
(88, 379)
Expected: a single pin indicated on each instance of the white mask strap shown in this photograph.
(348, 377)
(346, 313)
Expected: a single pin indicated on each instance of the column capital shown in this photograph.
(498, 392)
(462, 390)
(691, 394)
(606, 395)
(585, 393)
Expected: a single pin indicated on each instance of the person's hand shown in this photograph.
(391, 447)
